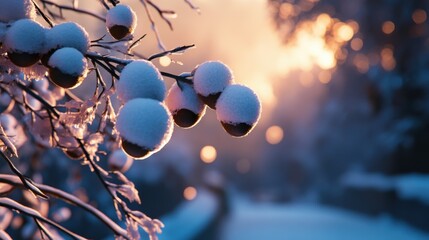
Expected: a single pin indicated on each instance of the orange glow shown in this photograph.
(343, 32)
(324, 19)
(356, 44)
(388, 61)
(243, 166)
(419, 16)
(326, 59)
(354, 25)
(208, 154)
(274, 135)
(325, 77)
(388, 27)
(190, 193)
(306, 79)
(165, 61)
(361, 63)
(287, 10)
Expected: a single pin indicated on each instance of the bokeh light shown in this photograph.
(165, 61)
(419, 16)
(388, 27)
(208, 154)
(274, 134)
(356, 44)
(190, 193)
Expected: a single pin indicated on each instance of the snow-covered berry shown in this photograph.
(238, 109)
(12, 10)
(185, 106)
(145, 126)
(210, 79)
(24, 42)
(121, 21)
(67, 68)
(119, 161)
(68, 34)
(140, 79)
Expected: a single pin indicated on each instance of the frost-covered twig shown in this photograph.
(54, 192)
(63, 7)
(153, 25)
(192, 5)
(11, 204)
(169, 52)
(28, 183)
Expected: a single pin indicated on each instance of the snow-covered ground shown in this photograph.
(311, 222)
(190, 218)
(408, 186)
(256, 221)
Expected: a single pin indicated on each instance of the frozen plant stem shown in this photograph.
(11, 204)
(54, 192)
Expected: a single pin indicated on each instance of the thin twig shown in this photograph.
(63, 7)
(11, 204)
(54, 192)
(169, 52)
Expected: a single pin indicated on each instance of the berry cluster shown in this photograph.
(40, 64)
(145, 123)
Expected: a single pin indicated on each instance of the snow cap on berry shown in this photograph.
(185, 99)
(212, 77)
(26, 36)
(121, 20)
(12, 10)
(146, 123)
(140, 79)
(68, 34)
(238, 104)
(119, 161)
(69, 61)
(67, 67)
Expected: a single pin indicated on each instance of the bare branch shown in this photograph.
(11, 204)
(54, 192)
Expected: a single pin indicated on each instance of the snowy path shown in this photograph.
(307, 222)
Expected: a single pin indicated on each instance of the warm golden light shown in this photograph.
(165, 61)
(388, 27)
(190, 193)
(324, 19)
(354, 25)
(361, 63)
(243, 166)
(419, 16)
(287, 10)
(306, 79)
(344, 32)
(356, 44)
(388, 61)
(274, 135)
(325, 77)
(208, 154)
